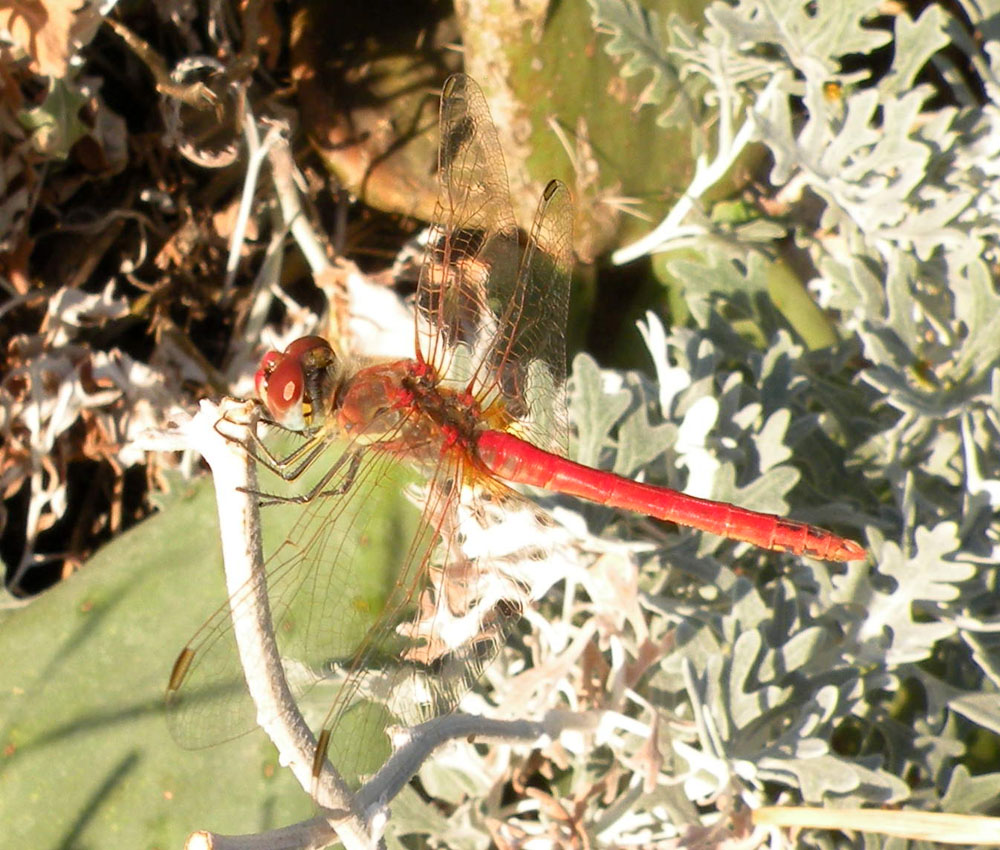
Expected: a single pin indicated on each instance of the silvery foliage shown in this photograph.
(859, 683)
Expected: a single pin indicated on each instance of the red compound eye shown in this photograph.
(260, 379)
(285, 388)
(306, 347)
(286, 382)
(280, 385)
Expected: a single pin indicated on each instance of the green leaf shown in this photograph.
(637, 37)
(981, 709)
(639, 441)
(55, 123)
(808, 33)
(972, 794)
(87, 757)
(915, 43)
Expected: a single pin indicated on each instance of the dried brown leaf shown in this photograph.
(50, 31)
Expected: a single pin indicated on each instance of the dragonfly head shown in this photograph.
(298, 386)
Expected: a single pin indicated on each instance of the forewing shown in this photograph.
(473, 234)
(327, 580)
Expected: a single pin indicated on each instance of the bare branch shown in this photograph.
(234, 472)
(414, 746)
(307, 835)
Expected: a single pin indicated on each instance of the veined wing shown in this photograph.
(446, 622)
(322, 605)
(492, 302)
(525, 370)
(473, 233)
(406, 628)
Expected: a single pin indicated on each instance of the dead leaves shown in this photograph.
(49, 32)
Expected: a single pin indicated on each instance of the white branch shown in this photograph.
(308, 835)
(373, 798)
(257, 154)
(284, 173)
(420, 741)
(234, 472)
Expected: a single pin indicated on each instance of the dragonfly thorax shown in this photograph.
(403, 402)
(455, 414)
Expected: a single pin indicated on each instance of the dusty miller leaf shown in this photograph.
(638, 35)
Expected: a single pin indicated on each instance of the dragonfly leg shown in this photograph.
(289, 467)
(293, 464)
(320, 488)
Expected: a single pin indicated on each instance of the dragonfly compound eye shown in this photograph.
(298, 385)
(283, 391)
(263, 375)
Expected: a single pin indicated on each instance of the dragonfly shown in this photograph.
(480, 408)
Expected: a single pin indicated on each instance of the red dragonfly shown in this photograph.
(479, 408)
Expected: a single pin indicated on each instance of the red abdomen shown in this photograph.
(515, 460)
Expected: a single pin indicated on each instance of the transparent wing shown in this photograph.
(407, 632)
(526, 367)
(492, 302)
(473, 233)
(396, 593)
(443, 627)
(327, 581)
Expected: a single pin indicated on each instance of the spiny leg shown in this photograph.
(317, 489)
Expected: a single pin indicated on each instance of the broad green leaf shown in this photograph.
(87, 757)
